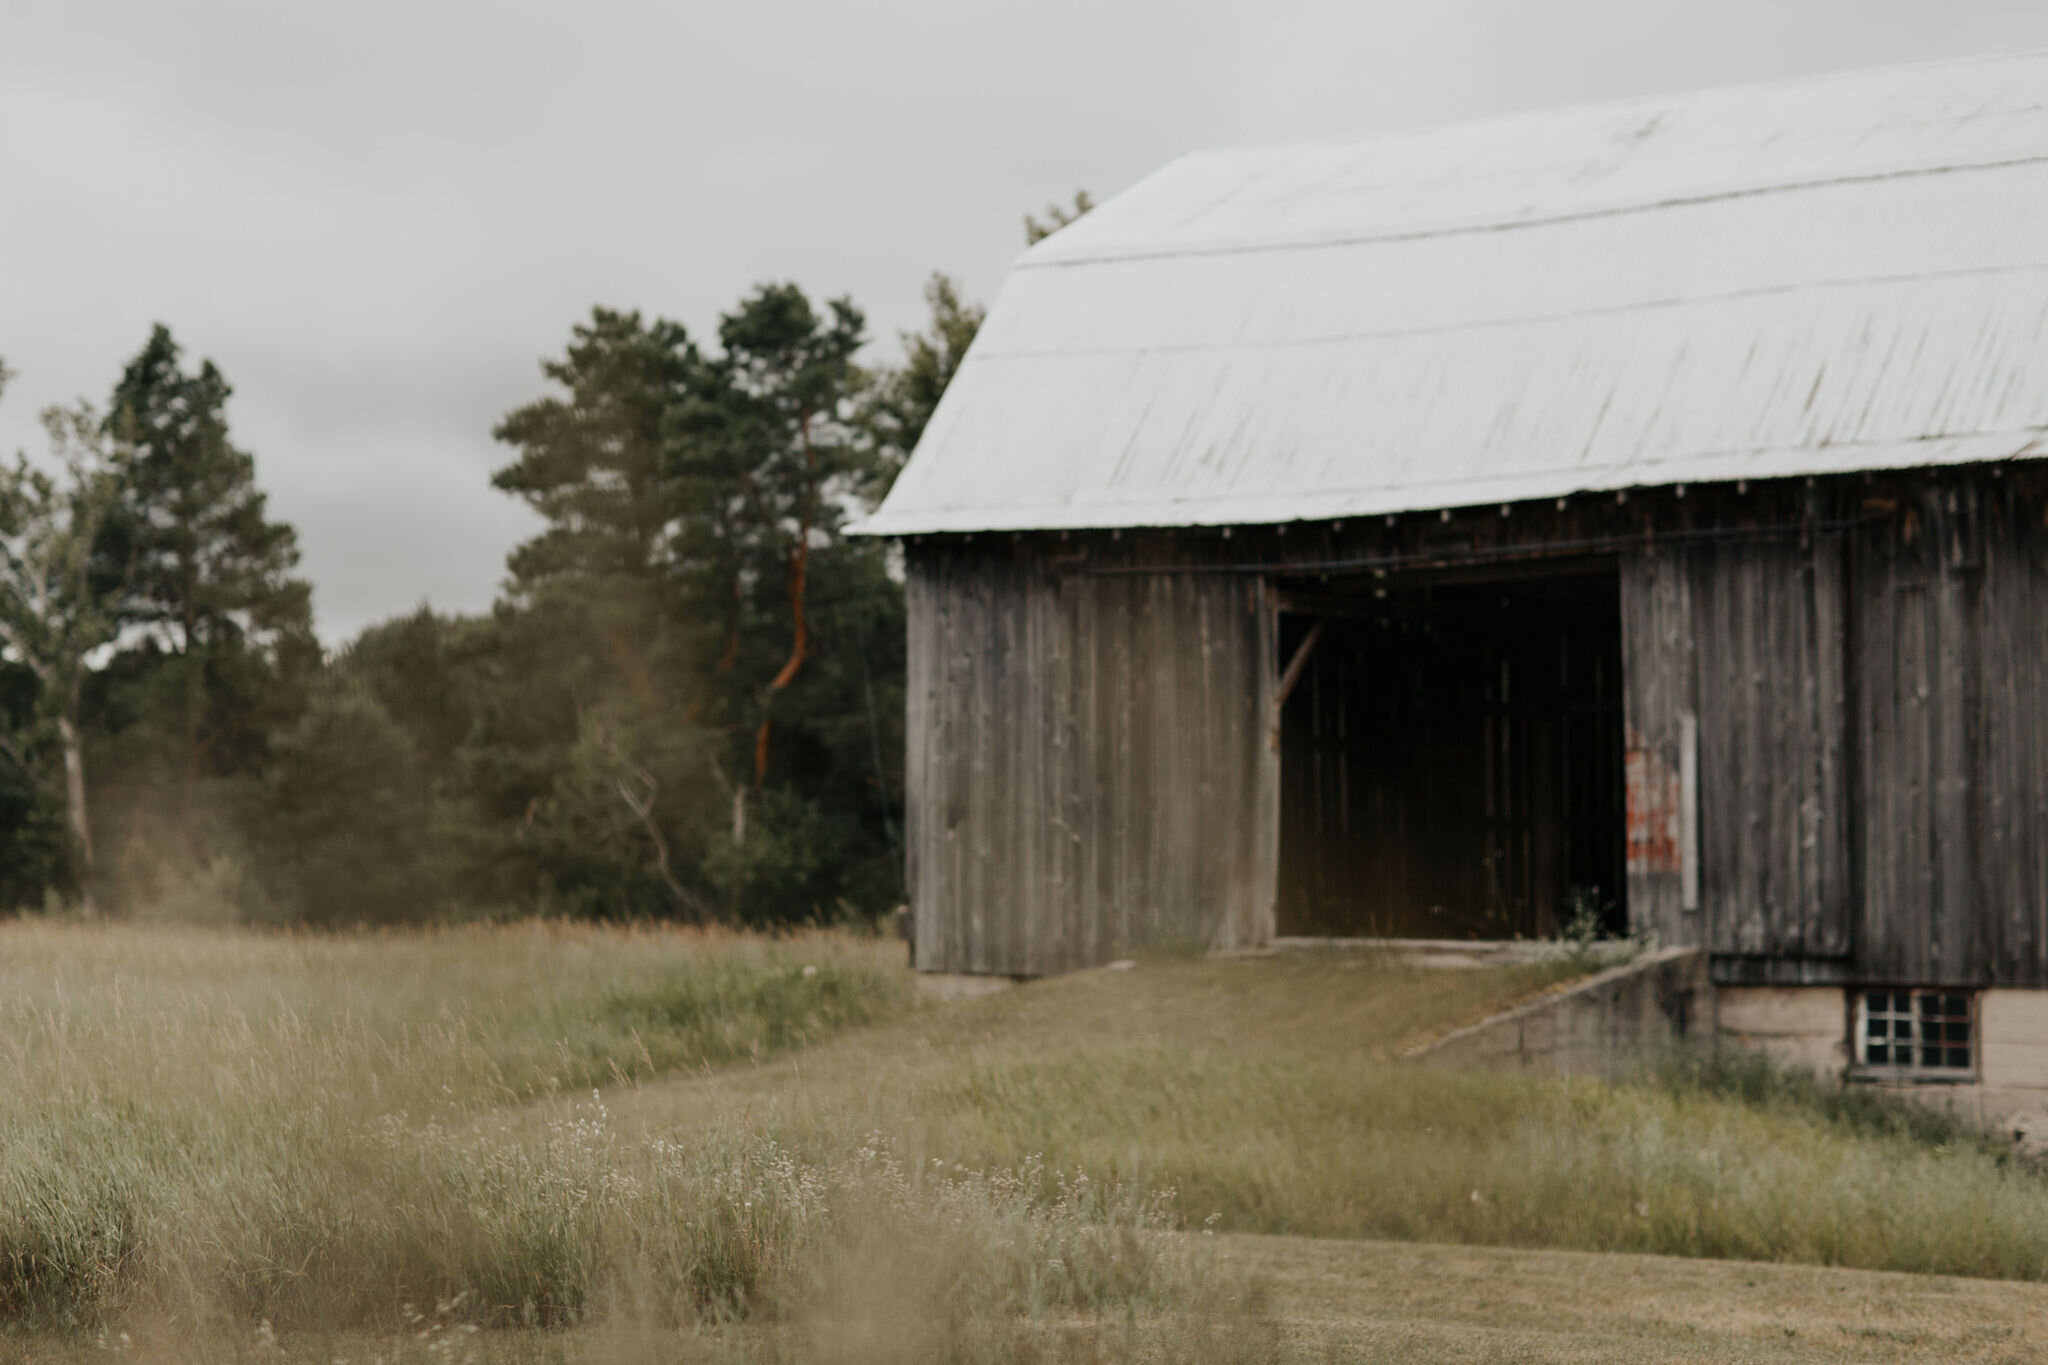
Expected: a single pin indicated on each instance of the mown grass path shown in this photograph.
(1402, 1302)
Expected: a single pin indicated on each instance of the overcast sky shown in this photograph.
(377, 217)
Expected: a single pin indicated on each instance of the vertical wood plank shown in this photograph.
(1657, 687)
(1828, 893)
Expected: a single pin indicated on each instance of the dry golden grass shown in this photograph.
(424, 1019)
(1317, 1300)
(231, 1145)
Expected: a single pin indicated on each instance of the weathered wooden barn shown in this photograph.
(1635, 511)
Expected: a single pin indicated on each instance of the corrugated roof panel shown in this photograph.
(1840, 274)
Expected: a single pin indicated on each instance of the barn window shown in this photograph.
(1926, 1034)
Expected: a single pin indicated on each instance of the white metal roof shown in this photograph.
(1817, 276)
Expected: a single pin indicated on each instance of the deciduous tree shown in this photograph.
(60, 597)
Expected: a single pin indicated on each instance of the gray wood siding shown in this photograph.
(1952, 734)
(1657, 692)
(1092, 760)
(1090, 765)
(1872, 704)
(1748, 637)
(1773, 722)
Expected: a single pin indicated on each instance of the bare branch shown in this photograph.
(640, 801)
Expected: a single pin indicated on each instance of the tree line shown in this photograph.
(687, 700)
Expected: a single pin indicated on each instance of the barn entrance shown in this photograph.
(1451, 755)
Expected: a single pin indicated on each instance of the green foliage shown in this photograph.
(226, 629)
(590, 460)
(58, 593)
(34, 856)
(210, 570)
(765, 448)
(688, 702)
(60, 602)
(215, 643)
(345, 817)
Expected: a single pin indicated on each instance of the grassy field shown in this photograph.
(221, 1144)
(1264, 1093)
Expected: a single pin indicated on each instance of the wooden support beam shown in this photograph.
(1299, 662)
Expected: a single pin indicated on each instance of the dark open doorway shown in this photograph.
(1451, 756)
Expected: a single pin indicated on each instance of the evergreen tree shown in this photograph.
(598, 631)
(226, 625)
(210, 568)
(590, 461)
(768, 445)
(898, 402)
(345, 825)
(1057, 216)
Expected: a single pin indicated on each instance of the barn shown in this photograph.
(1635, 511)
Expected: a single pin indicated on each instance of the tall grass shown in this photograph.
(218, 1135)
(292, 1133)
(501, 1226)
(1740, 1162)
(418, 1019)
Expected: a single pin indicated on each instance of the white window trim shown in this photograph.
(1859, 1016)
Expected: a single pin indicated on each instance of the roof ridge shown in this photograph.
(1453, 228)
(1619, 103)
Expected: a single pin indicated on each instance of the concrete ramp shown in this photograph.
(1599, 1026)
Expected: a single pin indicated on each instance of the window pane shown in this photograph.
(1916, 1030)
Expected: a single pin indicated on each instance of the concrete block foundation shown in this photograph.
(1600, 1026)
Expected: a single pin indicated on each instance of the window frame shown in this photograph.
(1915, 1072)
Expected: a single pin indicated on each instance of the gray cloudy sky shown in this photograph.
(378, 216)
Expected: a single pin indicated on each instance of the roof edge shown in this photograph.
(2023, 446)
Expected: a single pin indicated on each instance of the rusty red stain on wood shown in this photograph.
(1653, 808)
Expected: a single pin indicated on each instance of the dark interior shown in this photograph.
(1451, 757)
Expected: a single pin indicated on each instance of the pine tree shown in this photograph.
(590, 462)
(601, 617)
(899, 401)
(1057, 216)
(772, 423)
(224, 619)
